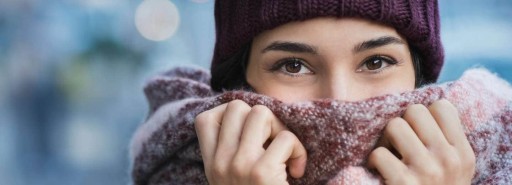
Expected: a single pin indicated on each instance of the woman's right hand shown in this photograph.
(247, 145)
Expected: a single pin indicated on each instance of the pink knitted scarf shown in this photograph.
(338, 135)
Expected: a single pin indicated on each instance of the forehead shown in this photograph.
(345, 31)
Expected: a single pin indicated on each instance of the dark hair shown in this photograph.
(418, 71)
(230, 74)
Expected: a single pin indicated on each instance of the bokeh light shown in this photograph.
(157, 20)
(72, 74)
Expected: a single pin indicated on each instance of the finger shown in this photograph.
(286, 149)
(261, 124)
(388, 165)
(231, 129)
(447, 117)
(207, 126)
(384, 142)
(424, 125)
(404, 140)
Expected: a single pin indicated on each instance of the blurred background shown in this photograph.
(72, 71)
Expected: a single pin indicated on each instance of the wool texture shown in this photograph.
(237, 22)
(338, 135)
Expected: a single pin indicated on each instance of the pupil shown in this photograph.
(374, 64)
(293, 67)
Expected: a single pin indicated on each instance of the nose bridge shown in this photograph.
(337, 86)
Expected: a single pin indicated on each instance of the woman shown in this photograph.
(334, 57)
(322, 55)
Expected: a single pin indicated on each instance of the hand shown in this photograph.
(233, 139)
(431, 146)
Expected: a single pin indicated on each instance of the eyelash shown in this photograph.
(389, 60)
(278, 66)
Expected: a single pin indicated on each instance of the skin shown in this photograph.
(344, 59)
(336, 68)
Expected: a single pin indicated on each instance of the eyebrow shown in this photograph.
(296, 47)
(375, 43)
(293, 47)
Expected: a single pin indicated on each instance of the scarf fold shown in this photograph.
(338, 135)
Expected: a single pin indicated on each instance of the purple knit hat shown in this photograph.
(239, 21)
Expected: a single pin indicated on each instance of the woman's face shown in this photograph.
(344, 59)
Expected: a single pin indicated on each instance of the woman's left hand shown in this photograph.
(430, 147)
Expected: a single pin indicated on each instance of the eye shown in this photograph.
(376, 63)
(293, 66)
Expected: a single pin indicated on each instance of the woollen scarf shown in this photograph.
(338, 135)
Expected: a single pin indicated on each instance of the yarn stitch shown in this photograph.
(237, 22)
(338, 135)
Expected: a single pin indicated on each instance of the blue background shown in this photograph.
(71, 73)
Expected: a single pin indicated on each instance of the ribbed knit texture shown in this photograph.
(239, 21)
(337, 135)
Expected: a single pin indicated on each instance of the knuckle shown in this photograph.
(244, 161)
(451, 162)
(218, 171)
(377, 154)
(238, 168)
(286, 136)
(432, 171)
(202, 119)
(395, 124)
(414, 109)
(261, 110)
(258, 174)
(237, 104)
(417, 107)
(443, 105)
